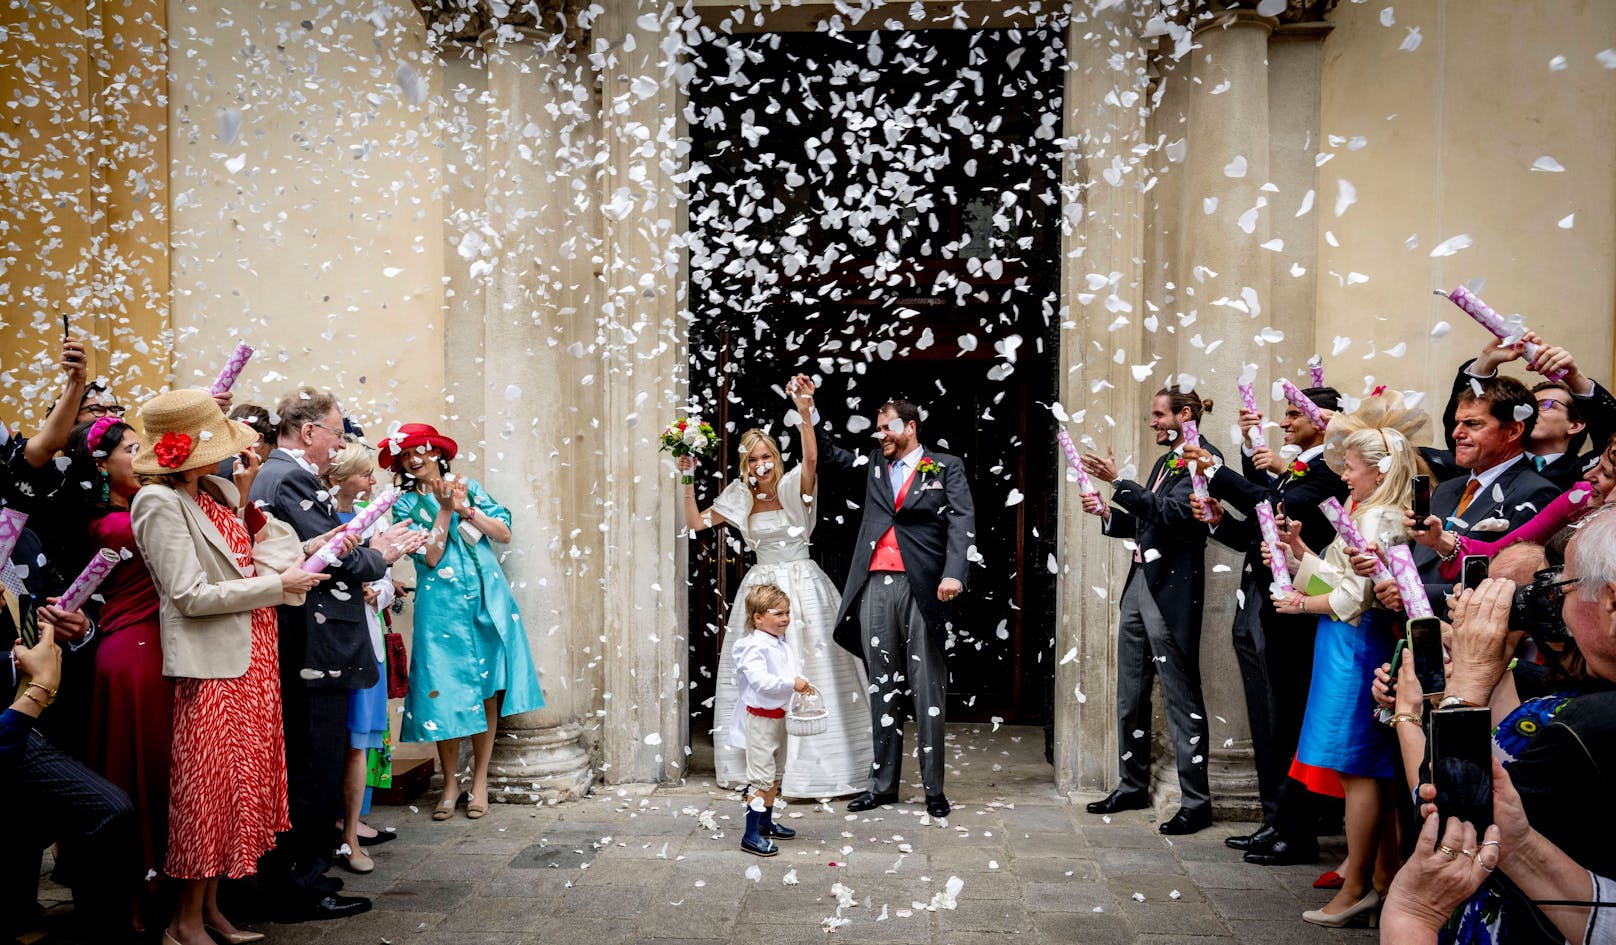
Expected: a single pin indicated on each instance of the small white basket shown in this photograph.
(807, 715)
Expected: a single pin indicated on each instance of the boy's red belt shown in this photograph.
(767, 713)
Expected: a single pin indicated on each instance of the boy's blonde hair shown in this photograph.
(763, 598)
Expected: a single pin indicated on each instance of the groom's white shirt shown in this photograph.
(900, 469)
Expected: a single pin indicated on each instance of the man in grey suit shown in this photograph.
(1492, 424)
(915, 537)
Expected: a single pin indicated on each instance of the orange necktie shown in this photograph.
(1469, 493)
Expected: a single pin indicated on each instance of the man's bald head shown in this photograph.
(1518, 563)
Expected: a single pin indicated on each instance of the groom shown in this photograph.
(909, 564)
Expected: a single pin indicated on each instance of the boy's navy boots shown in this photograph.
(753, 841)
(774, 830)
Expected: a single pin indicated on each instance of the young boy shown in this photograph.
(765, 676)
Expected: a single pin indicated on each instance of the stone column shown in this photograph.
(643, 350)
(1103, 232)
(1228, 287)
(535, 130)
(1295, 64)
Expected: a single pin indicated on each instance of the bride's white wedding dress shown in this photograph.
(837, 761)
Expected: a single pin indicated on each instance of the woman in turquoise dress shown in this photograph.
(469, 662)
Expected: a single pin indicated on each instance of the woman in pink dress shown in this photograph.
(220, 570)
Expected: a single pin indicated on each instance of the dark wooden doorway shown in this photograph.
(888, 222)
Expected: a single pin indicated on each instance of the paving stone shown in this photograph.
(1124, 837)
(502, 914)
(1243, 904)
(1154, 887)
(421, 895)
(1291, 932)
(605, 902)
(1136, 861)
(373, 926)
(985, 915)
(1047, 869)
(1237, 875)
(1082, 897)
(1063, 929)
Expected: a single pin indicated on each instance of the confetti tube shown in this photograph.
(233, 368)
(358, 525)
(78, 593)
(1408, 581)
(11, 523)
(1276, 551)
(1303, 403)
(1493, 322)
(1248, 402)
(1192, 437)
(1348, 530)
(1085, 485)
(1315, 371)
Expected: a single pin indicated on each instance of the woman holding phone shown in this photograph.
(1343, 752)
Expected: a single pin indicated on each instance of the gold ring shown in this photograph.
(1447, 851)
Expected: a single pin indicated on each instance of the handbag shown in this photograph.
(398, 662)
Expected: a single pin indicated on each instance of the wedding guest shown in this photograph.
(325, 651)
(1275, 651)
(132, 703)
(1342, 751)
(218, 579)
(1501, 491)
(96, 402)
(773, 510)
(470, 662)
(352, 480)
(1160, 629)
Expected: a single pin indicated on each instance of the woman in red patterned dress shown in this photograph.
(220, 571)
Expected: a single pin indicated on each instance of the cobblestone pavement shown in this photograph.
(642, 865)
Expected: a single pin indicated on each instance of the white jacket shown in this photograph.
(765, 677)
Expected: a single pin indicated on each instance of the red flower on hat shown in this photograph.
(173, 449)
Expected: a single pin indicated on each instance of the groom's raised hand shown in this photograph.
(948, 589)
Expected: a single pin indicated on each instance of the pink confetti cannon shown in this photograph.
(1493, 322)
(232, 368)
(1348, 530)
(1303, 403)
(358, 525)
(1315, 371)
(1248, 402)
(1085, 485)
(1409, 584)
(11, 523)
(1192, 437)
(78, 593)
(1276, 551)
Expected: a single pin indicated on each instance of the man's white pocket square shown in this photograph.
(1491, 525)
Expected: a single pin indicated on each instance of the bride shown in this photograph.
(774, 513)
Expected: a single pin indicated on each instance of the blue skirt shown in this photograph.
(1339, 731)
(367, 715)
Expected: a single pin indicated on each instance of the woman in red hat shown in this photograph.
(470, 661)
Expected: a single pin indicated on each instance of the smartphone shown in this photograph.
(1397, 664)
(1422, 501)
(1425, 648)
(1475, 571)
(1461, 764)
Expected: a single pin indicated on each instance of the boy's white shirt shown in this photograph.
(765, 677)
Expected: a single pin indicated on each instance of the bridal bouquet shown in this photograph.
(689, 437)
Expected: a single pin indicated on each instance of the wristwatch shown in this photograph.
(1451, 701)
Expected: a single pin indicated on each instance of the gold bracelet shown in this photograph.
(34, 699)
(1405, 717)
(48, 691)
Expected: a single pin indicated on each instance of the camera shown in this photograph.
(1536, 608)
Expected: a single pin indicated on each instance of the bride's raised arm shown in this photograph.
(695, 519)
(802, 397)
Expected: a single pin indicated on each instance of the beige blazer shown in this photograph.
(207, 599)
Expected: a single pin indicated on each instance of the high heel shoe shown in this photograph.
(1368, 906)
(476, 809)
(446, 809)
(234, 938)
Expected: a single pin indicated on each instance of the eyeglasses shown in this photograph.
(335, 433)
(102, 410)
(1549, 403)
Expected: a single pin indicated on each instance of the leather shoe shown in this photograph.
(326, 907)
(869, 801)
(329, 884)
(1281, 853)
(1120, 800)
(1259, 840)
(1187, 821)
(937, 805)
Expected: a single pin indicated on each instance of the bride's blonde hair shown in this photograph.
(749, 441)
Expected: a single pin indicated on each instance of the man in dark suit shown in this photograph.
(1160, 628)
(1493, 421)
(1576, 415)
(1274, 650)
(325, 651)
(915, 535)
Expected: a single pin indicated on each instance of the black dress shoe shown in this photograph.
(1120, 800)
(382, 836)
(1260, 840)
(1280, 853)
(869, 801)
(1187, 821)
(937, 805)
(326, 907)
